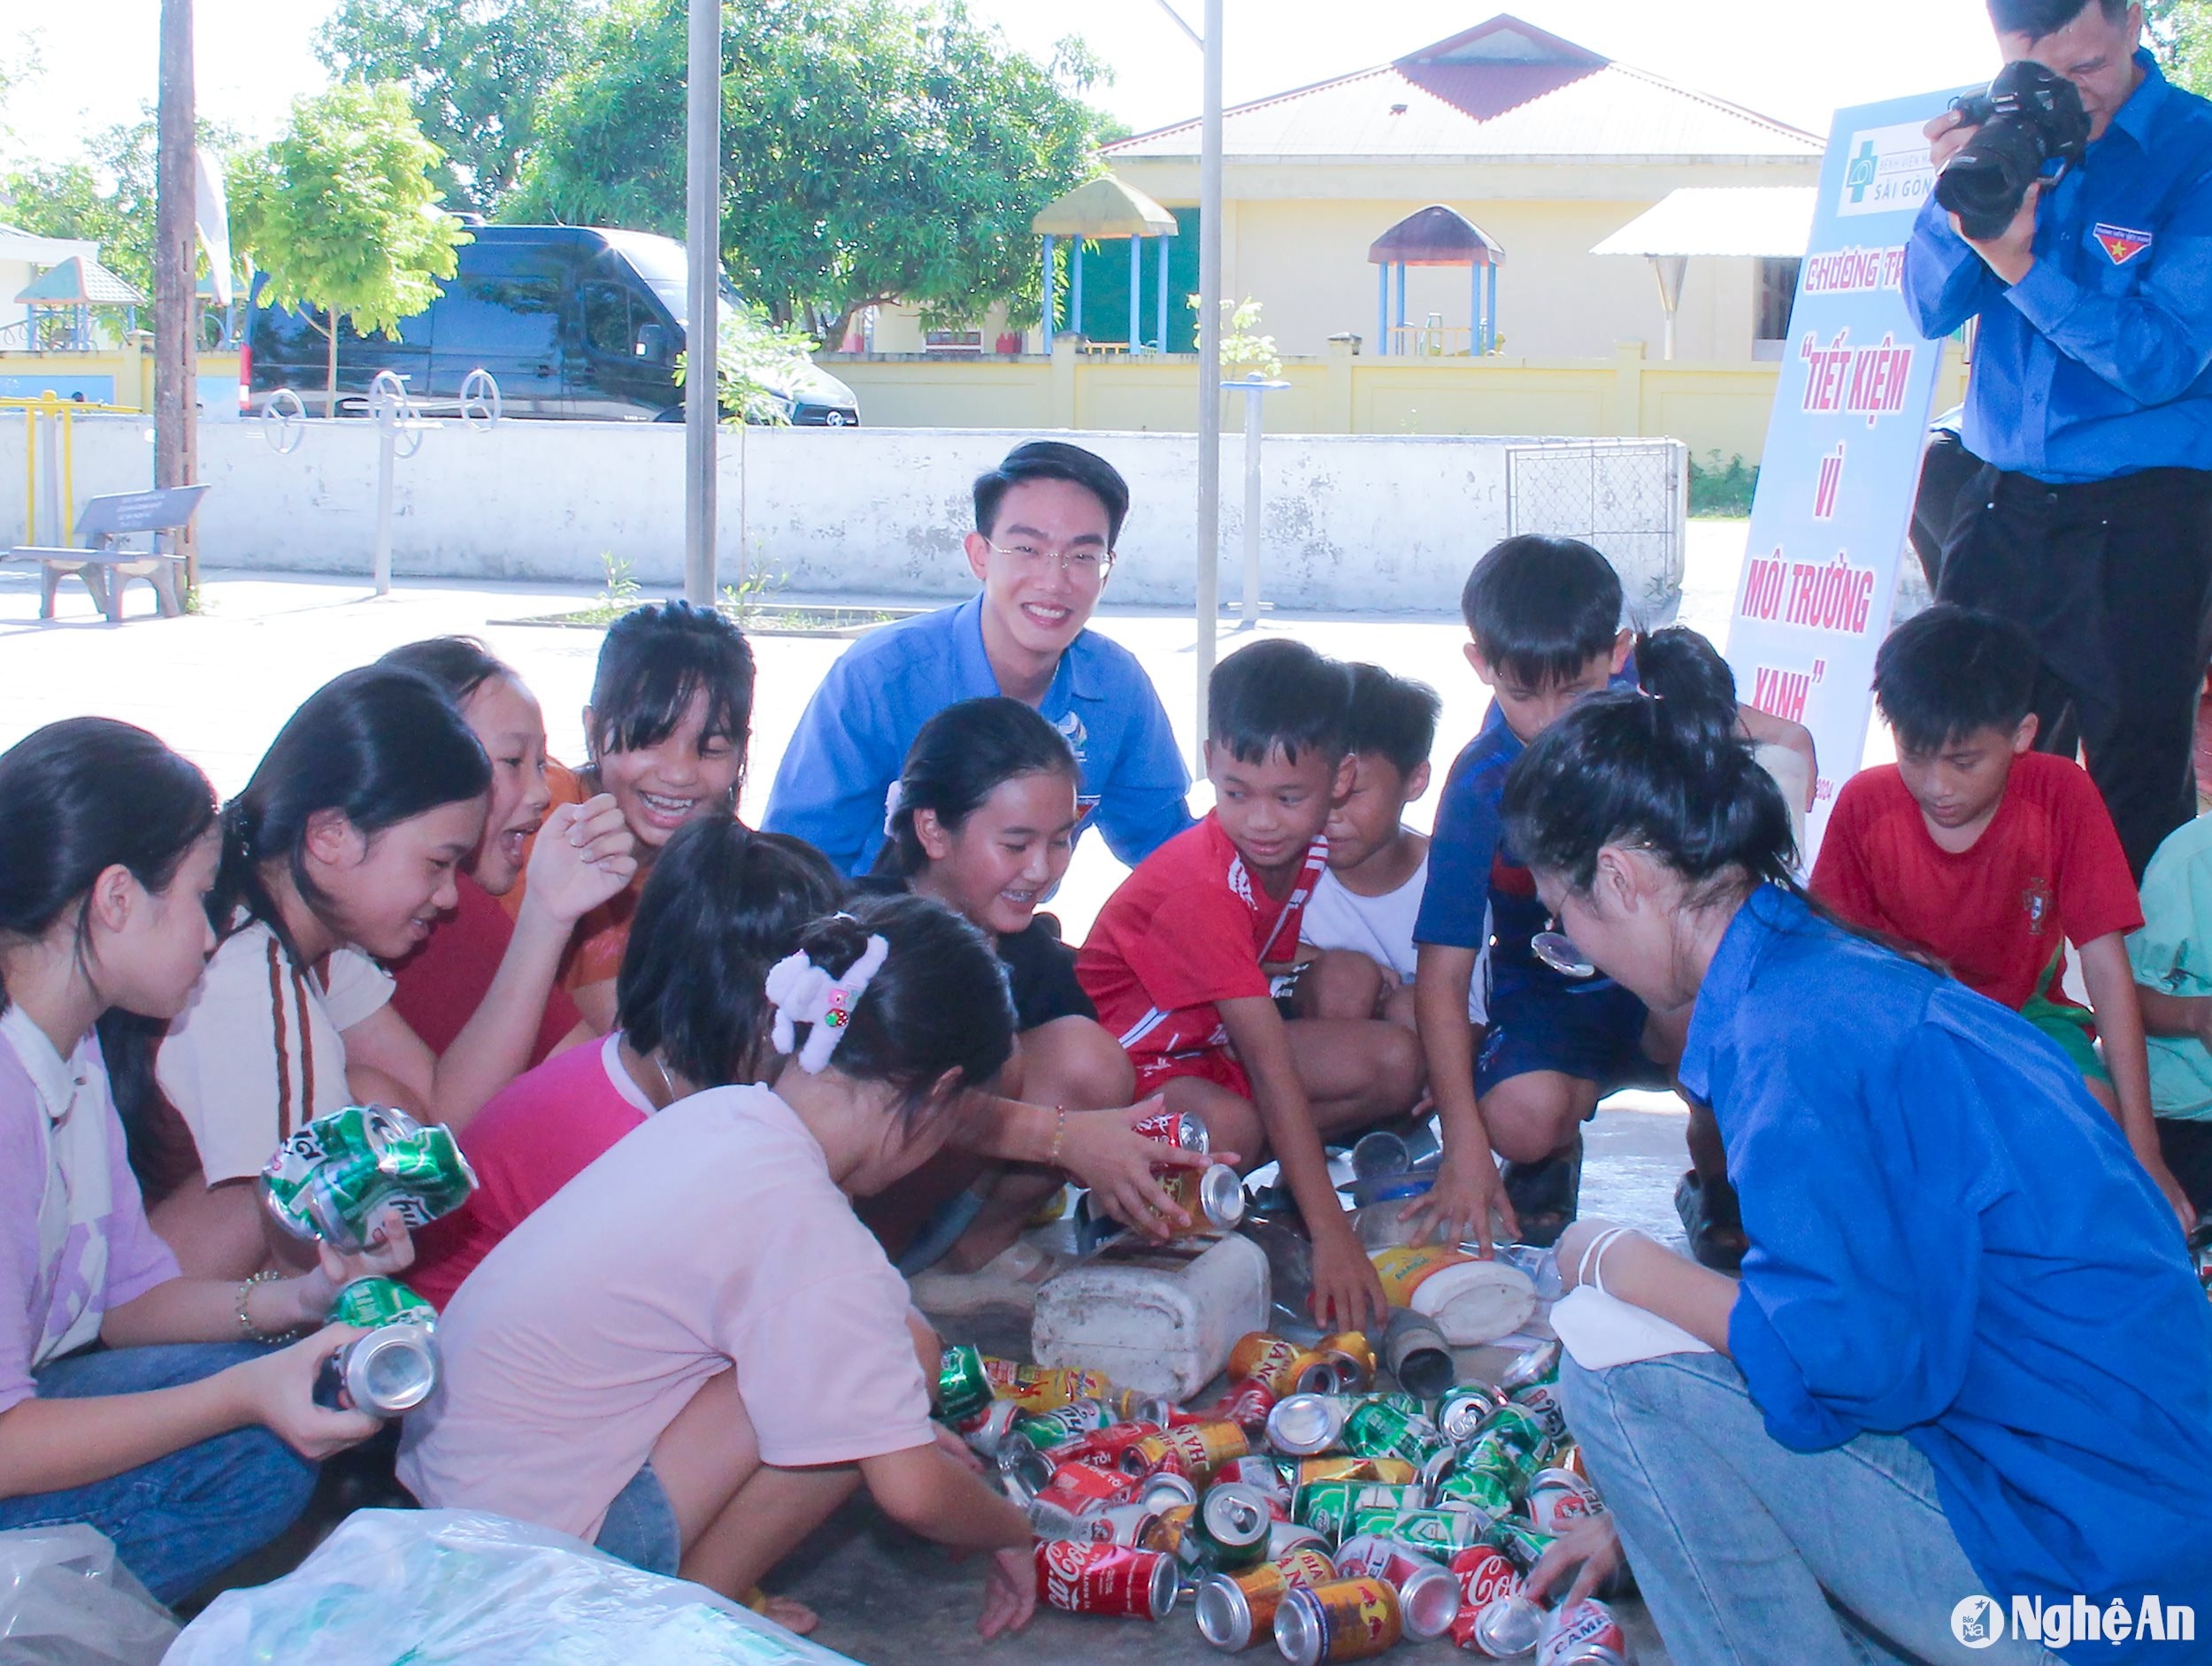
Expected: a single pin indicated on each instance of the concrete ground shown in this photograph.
(218, 685)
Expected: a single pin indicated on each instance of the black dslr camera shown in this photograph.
(2028, 117)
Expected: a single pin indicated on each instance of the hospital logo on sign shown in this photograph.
(2120, 245)
(1887, 171)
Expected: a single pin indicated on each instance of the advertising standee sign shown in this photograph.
(1843, 448)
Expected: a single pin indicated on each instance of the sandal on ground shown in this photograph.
(1712, 1225)
(1008, 1279)
(1546, 1195)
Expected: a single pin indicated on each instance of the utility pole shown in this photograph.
(1209, 371)
(703, 243)
(175, 350)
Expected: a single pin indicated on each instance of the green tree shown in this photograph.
(475, 71)
(2182, 31)
(341, 214)
(105, 196)
(873, 150)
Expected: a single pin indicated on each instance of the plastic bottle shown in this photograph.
(1378, 1222)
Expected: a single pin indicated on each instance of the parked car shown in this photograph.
(573, 321)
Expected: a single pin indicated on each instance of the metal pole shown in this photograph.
(1208, 608)
(1490, 314)
(1254, 402)
(387, 454)
(1136, 293)
(1163, 281)
(1075, 285)
(702, 234)
(1382, 310)
(1401, 295)
(1046, 333)
(175, 186)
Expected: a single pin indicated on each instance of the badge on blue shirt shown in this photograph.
(2120, 243)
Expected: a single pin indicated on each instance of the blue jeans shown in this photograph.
(641, 1527)
(1748, 1552)
(184, 1517)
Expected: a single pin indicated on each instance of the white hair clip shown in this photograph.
(803, 993)
(893, 802)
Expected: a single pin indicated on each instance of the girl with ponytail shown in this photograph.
(693, 1352)
(145, 1404)
(983, 818)
(343, 850)
(1956, 1267)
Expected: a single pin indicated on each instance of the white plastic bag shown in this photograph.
(66, 1600)
(441, 1587)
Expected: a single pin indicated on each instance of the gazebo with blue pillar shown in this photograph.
(1437, 236)
(1105, 210)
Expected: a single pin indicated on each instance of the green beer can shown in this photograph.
(1519, 1427)
(1523, 1544)
(332, 1179)
(369, 1302)
(1475, 1492)
(1440, 1533)
(1327, 1506)
(962, 1389)
(1382, 1429)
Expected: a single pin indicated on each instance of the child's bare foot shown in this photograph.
(794, 1616)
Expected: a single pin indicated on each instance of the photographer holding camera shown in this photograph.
(2073, 215)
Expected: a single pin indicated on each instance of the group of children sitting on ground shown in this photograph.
(714, 1088)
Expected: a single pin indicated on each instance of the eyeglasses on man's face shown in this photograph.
(1086, 562)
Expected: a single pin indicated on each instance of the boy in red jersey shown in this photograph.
(1183, 959)
(1992, 856)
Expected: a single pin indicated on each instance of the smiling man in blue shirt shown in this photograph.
(2090, 403)
(1047, 520)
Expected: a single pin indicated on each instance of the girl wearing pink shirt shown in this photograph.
(147, 1405)
(693, 1352)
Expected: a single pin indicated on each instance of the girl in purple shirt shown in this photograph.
(149, 1406)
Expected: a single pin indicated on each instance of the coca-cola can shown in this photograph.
(1496, 1617)
(1247, 1406)
(1179, 1128)
(1558, 1499)
(1584, 1634)
(1080, 1487)
(1106, 1578)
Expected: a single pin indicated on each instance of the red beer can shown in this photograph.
(1496, 1617)
(1095, 1578)
(1584, 1634)
(1247, 1406)
(1101, 1448)
(1175, 1128)
(1080, 1487)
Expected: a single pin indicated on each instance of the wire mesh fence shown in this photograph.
(1627, 499)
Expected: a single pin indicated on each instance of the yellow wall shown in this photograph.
(129, 371)
(1295, 237)
(1712, 407)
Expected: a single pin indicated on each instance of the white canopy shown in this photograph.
(1771, 220)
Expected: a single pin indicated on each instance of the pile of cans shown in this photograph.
(1305, 1505)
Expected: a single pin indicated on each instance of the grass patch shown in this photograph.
(1723, 489)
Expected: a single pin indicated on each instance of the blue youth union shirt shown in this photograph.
(852, 742)
(2099, 362)
(1950, 1240)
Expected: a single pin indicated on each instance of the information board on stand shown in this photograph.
(1851, 412)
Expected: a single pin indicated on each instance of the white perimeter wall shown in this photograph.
(1360, 524)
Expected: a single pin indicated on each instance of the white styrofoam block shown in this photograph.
(1160, 1319)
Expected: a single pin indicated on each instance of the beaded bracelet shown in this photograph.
(251, 1332)
(1059, 1137)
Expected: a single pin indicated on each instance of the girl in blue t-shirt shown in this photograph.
(1967, 1359)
